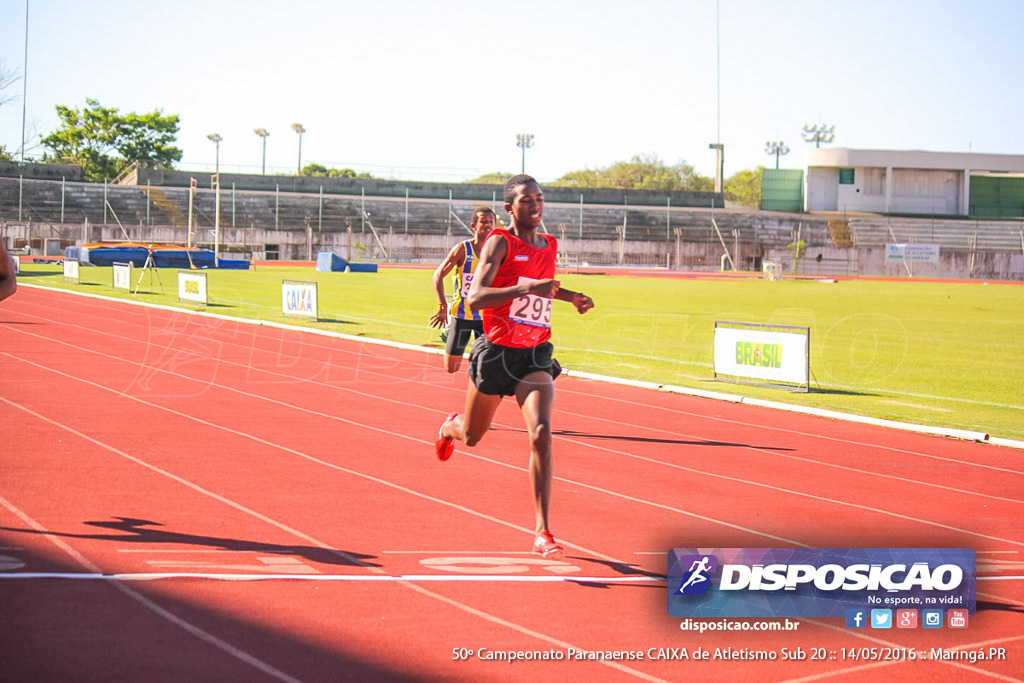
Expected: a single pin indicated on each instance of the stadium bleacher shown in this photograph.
(611, 234)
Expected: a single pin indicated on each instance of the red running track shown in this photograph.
(191, 498)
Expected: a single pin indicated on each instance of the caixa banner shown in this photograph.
(817, 582)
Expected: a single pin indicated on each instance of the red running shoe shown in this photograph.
(545, 546)
(445, 445)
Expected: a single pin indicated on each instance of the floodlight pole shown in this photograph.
(297, 127)
(216, 220)
(776, 148)
(24, 87)
(215, 138)
(719, 165)
(262, 132)
(819, 133)
(191, 208)
(524, 141)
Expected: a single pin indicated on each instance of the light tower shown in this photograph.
(262, 132)
(524, 141)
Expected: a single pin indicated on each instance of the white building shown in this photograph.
(903, 182)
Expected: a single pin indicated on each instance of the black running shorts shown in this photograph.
(459, 332)
(497, 370)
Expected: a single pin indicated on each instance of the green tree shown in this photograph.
(491, 179)
(642, 172)
(104, 142)
(314, 171)
(797, 249)
(745, 187)
(321, 171)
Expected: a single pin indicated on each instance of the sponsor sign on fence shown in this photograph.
(912, 253)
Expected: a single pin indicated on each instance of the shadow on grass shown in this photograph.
(336, 321)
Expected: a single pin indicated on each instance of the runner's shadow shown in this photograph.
(674, 442)
(622, 569)
(141, 531)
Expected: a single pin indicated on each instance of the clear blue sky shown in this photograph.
(439, 90)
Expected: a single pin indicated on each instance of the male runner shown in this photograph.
(463, 258)
(514, 287)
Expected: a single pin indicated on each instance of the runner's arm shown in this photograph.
(456, 257)
(8, 280)
(581, 301)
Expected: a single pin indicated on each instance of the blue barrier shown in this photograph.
(108, 256)
(327, 261)
(233, 264)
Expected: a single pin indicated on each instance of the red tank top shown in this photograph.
(524, 322)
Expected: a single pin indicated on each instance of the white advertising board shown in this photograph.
(71, 269)
(192, 286)
(123, 276)
(761, 352)
(299, 298)
(912, 253)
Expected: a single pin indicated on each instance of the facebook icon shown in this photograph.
(856, 618)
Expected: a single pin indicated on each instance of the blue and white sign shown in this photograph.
(912, 253)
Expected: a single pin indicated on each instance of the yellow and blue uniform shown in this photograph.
(463, 322)
(461, 279)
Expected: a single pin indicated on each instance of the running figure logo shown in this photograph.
(696, 581)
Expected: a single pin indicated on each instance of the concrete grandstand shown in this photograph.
(387, 222)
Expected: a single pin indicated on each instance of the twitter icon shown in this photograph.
(881, 618)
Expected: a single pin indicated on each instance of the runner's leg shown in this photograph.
(536, 397)
(471, 426)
